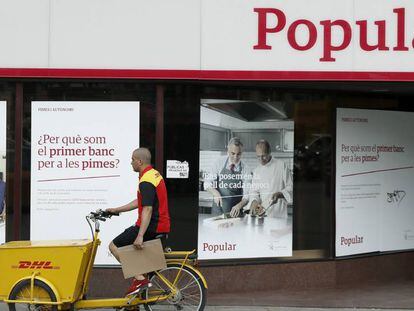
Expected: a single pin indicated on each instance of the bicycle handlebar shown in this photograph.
(102, 215)
(97, 216)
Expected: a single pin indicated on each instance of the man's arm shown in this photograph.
(256, 208)
(210, 183)
(235, 211)
(124, 208)
(287, 192)
(246, 185)
(216, 196)
(255, 193)
(146, 218)
(148, 193)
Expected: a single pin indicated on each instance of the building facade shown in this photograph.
(329, 87)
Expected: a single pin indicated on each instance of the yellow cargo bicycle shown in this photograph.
(54, 275)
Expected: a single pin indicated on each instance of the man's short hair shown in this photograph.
(264, 144)
(143, 154)
(235, 141)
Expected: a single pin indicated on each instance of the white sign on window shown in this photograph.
(177, 169)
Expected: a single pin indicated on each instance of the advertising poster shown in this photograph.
(3, 146)
(374, 181)
(245, 183)
(81, 155)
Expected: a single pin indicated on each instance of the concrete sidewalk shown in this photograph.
(3, 307)
(396, 296)
(376, 296)
(257, 308)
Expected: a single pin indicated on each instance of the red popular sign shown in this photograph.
(265, 15)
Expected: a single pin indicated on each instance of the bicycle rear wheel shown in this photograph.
(191, 294)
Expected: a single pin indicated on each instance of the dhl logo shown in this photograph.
(35, 265)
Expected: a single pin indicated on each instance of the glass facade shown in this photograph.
(171, 128)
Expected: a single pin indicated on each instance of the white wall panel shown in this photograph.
(24, 30)
(229, 32)
(385, 60)
(125, 34)
(197, 34)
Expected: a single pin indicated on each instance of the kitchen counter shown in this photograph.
(246, 237)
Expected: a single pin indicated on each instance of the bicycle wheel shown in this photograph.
(191, 294)
(41, 292)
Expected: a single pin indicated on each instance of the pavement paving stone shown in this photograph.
(3, 307)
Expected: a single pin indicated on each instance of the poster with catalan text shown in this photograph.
(374, 181)
(81, 154)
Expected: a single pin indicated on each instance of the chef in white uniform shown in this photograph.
(272, 184)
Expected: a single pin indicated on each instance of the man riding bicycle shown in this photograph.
(153, 215)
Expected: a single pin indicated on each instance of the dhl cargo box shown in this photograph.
(62, 263)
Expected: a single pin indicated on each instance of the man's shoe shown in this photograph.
(137, 286)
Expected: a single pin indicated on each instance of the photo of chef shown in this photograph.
(3, 171)
(245, 183)
(228, 181)
(272, 184)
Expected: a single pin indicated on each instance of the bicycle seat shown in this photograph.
(162, 236)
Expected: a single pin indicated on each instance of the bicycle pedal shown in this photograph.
(138, 291)
(131, 298)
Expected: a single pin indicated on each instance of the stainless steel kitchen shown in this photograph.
(221, 235)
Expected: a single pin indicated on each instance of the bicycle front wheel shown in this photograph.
(191, 293)
(41, 293)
